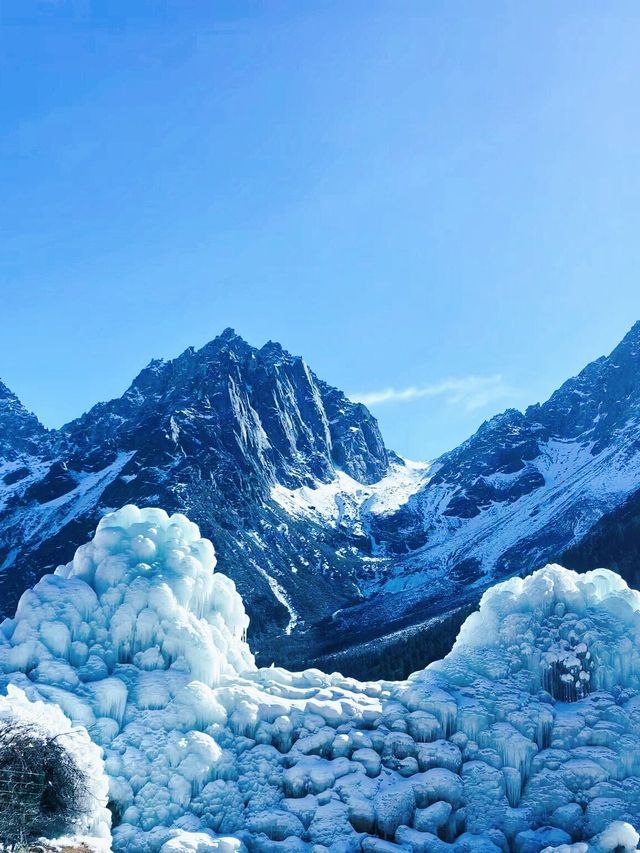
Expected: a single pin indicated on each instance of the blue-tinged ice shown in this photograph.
(525, 738)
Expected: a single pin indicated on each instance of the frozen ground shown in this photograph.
(525, 738)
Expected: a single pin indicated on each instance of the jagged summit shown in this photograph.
(10, 400)
(228, 340)
(5, 393)
(600, 399)
(20, 430)
(213, 432)
(273, 346)
(633, 335)
(229, 334)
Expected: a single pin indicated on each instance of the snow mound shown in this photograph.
(525, 738)
(577, 633)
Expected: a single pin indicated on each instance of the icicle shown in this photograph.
(513, 785)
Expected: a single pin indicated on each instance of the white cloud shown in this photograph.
(470, 392)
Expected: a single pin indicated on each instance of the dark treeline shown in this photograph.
(613, 543)
(397, 656)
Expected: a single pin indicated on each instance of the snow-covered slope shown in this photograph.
(527, 482)
(525, 489)
(333, 541)
(526, 737)
(345, 501)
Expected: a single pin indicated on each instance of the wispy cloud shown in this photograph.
(470, 392)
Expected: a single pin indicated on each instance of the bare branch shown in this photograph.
(43, 792)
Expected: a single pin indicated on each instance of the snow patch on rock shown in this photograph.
(345, 500)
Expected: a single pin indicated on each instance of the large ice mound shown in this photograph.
(526, 737)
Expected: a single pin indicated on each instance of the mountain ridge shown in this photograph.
(309, 510)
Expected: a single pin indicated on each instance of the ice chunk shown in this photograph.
(200, 842)
(394, 806)
(369, 759)
(433, 818)
(620, 837)
(534, 841)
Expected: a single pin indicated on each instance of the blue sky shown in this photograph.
(436, 203)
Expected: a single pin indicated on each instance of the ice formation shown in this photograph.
(525, 738)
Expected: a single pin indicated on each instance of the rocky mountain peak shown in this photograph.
(7, 397)
(599, 400)
(273, 352)
(229, 341)
(263, 411)
(20, 430)
(228, 334)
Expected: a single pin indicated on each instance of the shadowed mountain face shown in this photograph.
(20, 431)
(342, 552)
(210, 434)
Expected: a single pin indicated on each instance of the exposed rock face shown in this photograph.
(211, 433)
(311, 513)
(20, 431)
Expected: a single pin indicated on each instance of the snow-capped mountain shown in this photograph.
(333, 540)
(525, 489)
(210, 433)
